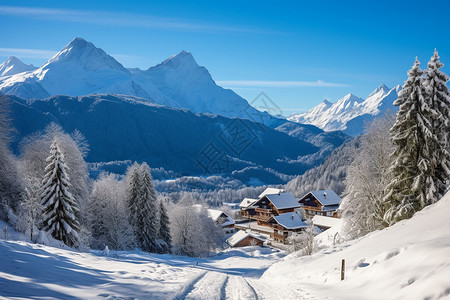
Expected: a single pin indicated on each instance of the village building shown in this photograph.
(323, 203)
(285, 224)
(270, 205)
(243, 238)
(222, 219)
(324, 223)
(246, 208)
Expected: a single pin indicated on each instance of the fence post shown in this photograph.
(343, 270)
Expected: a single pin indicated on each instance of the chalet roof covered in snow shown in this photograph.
(216, 214)
(290, 220)
(247, 202)
(326, 197)
(283, 200)
(323, 221)
(240, 236)
(270, 191)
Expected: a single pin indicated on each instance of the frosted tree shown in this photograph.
(147, 226)
(141, 199)
(34, 152)
(59, 204)
(368, 175)
(133, 187)
(413, 185)
(108, 205)
(304, 240)
(164, 229)
(11, 186)
(438, 96)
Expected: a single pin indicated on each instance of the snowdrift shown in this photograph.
(409, 260)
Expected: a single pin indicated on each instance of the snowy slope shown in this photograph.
(80, 68)
(13, 65)
(350, 113)
(409, 260)
(30, 271)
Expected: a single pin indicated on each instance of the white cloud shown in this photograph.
(283, 84)
(118, 19)
(27, 53)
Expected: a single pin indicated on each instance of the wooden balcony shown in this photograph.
(264, 210)
(312, 208)
(260, 218)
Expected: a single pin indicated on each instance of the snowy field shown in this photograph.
(410, 260)
(42, 272)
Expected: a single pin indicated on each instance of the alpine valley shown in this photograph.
(131, 115)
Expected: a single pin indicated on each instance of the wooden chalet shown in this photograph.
(323, 203)
(246, 208)
(284, 224)
(270, 205)
(243, 238)
(222, 219)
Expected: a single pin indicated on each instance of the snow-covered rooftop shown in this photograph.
(327, 197)
(290, 220)
(215, 215)
(241, 235)
(283, 200)
(247, 202)
(325, 221)
(270, 191)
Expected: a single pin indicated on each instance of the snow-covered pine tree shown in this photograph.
(133, 189)
(164, 228)
(437, 93)
(147, 226)
(413, 183)
(59, 204)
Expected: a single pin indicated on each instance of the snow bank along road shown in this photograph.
(36, 271)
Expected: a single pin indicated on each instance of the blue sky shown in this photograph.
(297, 52)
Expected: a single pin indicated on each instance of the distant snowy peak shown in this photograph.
(84, 53)
(80, 68)
(13, 66)
(182, 59)
(351, 112)
(381, 90)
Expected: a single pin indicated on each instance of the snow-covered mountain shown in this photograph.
(80, 68)
(13, 65)
(350, 113)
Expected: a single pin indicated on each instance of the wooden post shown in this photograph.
(343, 270)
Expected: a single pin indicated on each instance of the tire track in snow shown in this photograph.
(237, 288)
(209, 286)
(189, 287)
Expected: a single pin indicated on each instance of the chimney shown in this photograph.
(292, 217)
(325, 195)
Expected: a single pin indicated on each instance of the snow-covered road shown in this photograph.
(36, 271)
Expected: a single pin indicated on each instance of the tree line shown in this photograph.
(403, 163)
(46, 193)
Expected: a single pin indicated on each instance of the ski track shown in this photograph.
(210, 286)
(238, 288)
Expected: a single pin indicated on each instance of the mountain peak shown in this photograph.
(13, 65)
(326, 102)
(85, 54)
(382, 88)
(184, 58)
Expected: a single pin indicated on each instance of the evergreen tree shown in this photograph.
(133, 193)
(413, 168)
(437, 93)
(164, 228)
(141, 199)
(147, 230)
(59, 204)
